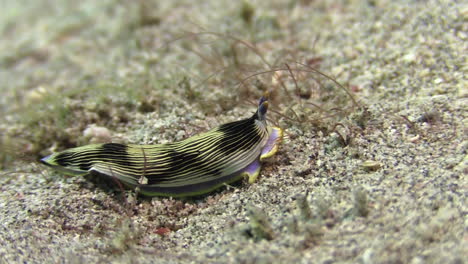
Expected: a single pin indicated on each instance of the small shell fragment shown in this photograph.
(371, 165)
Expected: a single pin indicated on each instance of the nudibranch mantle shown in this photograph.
(194, 166)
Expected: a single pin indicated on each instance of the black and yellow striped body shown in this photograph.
(193, 166)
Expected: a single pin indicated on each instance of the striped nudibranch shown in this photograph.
(193, 166)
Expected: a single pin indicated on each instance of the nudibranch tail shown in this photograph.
(193, 166)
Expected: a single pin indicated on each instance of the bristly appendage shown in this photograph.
(193, 166)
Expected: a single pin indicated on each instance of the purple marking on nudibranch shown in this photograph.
(252, 171)
(253, 167)
(275, 136)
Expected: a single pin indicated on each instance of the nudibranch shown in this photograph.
(194, 166)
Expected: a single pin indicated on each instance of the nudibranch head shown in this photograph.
(262, 108)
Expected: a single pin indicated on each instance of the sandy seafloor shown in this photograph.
(405, 59)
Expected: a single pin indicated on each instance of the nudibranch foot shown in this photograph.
(271, 147)
(252, 171)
